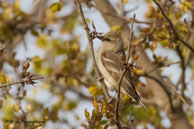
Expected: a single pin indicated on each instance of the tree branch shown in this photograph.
(177, 37)
(22, 81)
(87, 30)
(121, 78)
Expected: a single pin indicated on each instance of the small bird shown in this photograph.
(110, 65)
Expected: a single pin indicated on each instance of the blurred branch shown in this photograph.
(163, 87)
(92, 50)
(164, 65)
(2, 47)
(176, 35)
(181, 97)
(27, 81)
(122, 17)
(183, 70)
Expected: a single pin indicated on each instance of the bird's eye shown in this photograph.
(107, 39)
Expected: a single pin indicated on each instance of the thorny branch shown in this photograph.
(176, 35)
(87, 30)
(121, 78)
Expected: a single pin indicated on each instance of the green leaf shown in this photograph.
(102, 122)
(71, 105)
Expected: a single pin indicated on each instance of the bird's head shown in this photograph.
(113, 42)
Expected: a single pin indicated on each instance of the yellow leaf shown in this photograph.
(138, 71)
(116, 28)
(1, 103)
(56, 7)
(95, 103)
(152, 110)
(3, 79)
(87, 115)
(153, 46)
(16, 107)
(29, 108)
(126, 99)
(9, 79)
(95, 91)
(135, 57)
(125, 1)
(17, 4)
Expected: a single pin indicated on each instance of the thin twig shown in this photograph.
(22, 81)
(177, 37)
(183, 69)
(181, 97)
(165, 65)
(107, 96)
(121, 78)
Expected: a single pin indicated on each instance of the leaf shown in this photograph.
(94, 114)
(102, 122)
(153, 46)
(29, 108)
(87, 115)
(56, 7)
(45, 111)
(1, 103)
(71, 105)
(16, 107)
(126, 99)
(106, 126)
(125, 1)
(135, 57)
(103, 110)
(95, 91)
(95, 103)
(116, 28)
(109, 115)
(138, 71)
(3, 79)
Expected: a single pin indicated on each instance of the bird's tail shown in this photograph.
(144, 107)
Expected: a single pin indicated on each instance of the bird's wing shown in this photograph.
(113, 63)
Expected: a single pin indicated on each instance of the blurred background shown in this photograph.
(48, 36)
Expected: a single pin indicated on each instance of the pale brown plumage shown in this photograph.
(111, 65)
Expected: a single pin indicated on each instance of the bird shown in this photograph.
(110, 65)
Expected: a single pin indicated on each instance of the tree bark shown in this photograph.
(161, 94)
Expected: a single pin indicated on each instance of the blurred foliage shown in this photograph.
(66, 65)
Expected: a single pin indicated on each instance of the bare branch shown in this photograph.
(180, 96)
(22, 81)
(92, 50)
(121, 78)
(177, 37)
